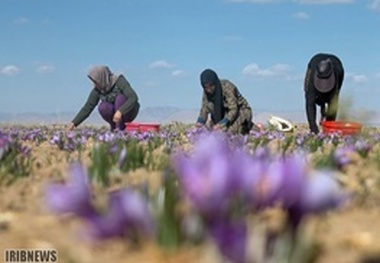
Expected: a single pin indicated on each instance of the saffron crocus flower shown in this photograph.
(258, 178)
(194, 133)
(71, 135)
(72, 197)
(206, 174)
(303, 192)
(33, 135)
(56, 139)
(321, 192)
(341, 156)
(128, 214)
(238, 141)
(363, 147)
(230, 237)
(292, 170)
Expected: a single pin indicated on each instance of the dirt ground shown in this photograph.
(346, 236)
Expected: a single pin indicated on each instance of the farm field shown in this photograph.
(188, 195)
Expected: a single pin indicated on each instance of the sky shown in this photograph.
(161, 46)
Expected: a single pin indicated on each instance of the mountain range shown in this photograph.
(161, 115)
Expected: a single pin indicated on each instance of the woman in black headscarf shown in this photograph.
(222, 100)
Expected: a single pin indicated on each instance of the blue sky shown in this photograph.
(161, 46)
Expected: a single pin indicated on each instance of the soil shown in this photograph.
(348, 235)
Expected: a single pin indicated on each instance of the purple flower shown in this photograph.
(72, 197)
(230, 237)
(254, 177)
(71, 135)
(363, 147)
(341, 156)
(56, 139)
(206, 175)
(101, 137)
(292, 170)
(238, 141)
(303, 192)
(193, 133)
(300, 139)
(321, 192)
(33, 135)
(128, 214)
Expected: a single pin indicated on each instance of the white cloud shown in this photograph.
(374, 5)
(20, 21)
(178, 73)
(45, 69)
(160, 64)
(9, 70)
(301, 15)
(324, 1)
(357, 78)
(275, 70)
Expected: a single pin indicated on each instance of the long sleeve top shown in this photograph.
(121, 86)
(233, 102)
(314, 97)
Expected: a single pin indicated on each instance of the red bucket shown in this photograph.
(343, 127)
(142, 127)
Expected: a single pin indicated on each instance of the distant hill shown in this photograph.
(153, 114)
(167, 114)
(38, 118)
(164, 115)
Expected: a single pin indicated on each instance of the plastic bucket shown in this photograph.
(343, 127)
(142, 127)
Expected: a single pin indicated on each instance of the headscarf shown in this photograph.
(103, 78)
(216, 98)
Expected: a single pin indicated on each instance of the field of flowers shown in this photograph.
(190, 195)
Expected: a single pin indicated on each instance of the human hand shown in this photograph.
(198, 125)
(70, 126)
(314, 129)
(217, 127)
(322, 120)
(117, 117)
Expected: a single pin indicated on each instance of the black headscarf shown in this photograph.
(209, 76)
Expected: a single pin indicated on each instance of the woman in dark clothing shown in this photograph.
(119, 102)
(323, 81)
(221, 99)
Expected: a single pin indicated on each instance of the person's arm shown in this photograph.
(129, 93)
(230, 103)
(310, 97)
(311, 111)
(92, 101)
(202, 118)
